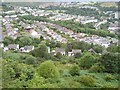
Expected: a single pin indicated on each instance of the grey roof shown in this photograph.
(60, 50)
(28, 47)
(91, 50)
(12, 46)
(76, 51)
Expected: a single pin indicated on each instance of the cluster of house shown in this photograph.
(54, 35)
(88, 19)
(89, 7)
(34, 12)
(67, 31)
(10, 31)
(17, 48)
(78, 18)
(47, 4)
(42, 30)
(27, 49)
(75, 4)
(38, 29)
(61, 16)
(114, 27)
(94, 39)
(63, 52)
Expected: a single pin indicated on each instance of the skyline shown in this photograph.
(60, 1)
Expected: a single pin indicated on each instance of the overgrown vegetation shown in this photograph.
(35, 69)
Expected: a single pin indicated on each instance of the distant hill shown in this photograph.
(109, 4)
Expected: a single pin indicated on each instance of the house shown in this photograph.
(73, 52)
(29, 28)
(5, 49)
(114, 27)
(117, 15)
(16, 29)
(88, 21)
(26, 48)
(13, 46)
(34, 34)
(59, 50)
(92, 51)
(1, 45)
(48, 48)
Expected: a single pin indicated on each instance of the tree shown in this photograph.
(111, 62)
(52, 44)
(41, 52)
(24, 40)
(97, 48)
(36, 41)
(87, 80)
(47, 69)
(87, 60)
(8, 40)
(36, 82)
(74, 70)
(58, 55)
(81, 45)
(41, 37)
(77, 55)
(97, 67)
(68, 48)
(113, 48)
(31, 60)
(15, 72)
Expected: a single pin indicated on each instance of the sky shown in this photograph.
(58, 0)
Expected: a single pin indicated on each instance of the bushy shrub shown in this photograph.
(65, 73)
(87, 80)
(31, 60)
(109, 77)
(74, 70)
(87, 60)
(97, 67)
(36, 82)
(47, 69)
(64, 61)
(111, 62)
(109, 85)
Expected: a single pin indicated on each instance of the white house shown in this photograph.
(5, 49)
(73, 52)
(1, 45)
(59, 50)
(26, 48)
(117, 15)
(13, 46)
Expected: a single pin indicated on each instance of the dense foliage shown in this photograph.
(48, 70)
(87, 60)
(111, 62)
(88, 70)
